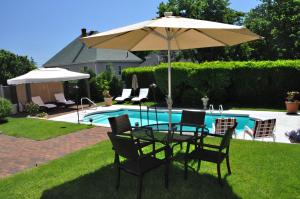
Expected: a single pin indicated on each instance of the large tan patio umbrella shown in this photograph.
(171, 33)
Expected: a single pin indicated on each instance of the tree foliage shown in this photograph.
(279, 22)
(216, 10)
(276, 20)
(12, 65)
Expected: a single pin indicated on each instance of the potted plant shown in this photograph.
(291, 102)
(107, 98)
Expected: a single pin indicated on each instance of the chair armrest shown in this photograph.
(215, 135)
(164, 148)
(212, 146)
(191, 125)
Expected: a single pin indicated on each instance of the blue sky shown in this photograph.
(40, 28)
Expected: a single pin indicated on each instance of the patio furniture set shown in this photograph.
(128, 142)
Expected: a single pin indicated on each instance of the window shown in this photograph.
(107, 67)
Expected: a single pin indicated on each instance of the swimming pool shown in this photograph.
(101, 118)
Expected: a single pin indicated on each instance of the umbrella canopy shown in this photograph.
(171, 33)
(134, 83)
(41, 75)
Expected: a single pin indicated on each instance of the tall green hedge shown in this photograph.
(259, 83)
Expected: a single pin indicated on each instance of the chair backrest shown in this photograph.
(222, 124)
(144, 92)
(37, 100)
(264, 128)
(227, 136)
(124, 146)
(193, 117)
(60, 97)
(119, 124)
(126, 93)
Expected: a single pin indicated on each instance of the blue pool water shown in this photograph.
(134, 116)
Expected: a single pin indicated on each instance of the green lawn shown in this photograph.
(38, 129)
(259, 170)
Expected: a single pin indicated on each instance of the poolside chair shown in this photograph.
(143, 95)
(60, 98)
(121, 126)
(126, 93)
(262, 129)
(222, 124)
(38, 100)
(192, 119)
(135, 163)
(212, 153)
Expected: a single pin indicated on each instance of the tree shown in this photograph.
(12, 65)
(212, 10)
(279, 22)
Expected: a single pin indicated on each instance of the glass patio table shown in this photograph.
(161, 133)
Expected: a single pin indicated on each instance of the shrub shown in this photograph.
(32, 108)
(107, 82)
(42, 115)
(5, 108)
(251, 83)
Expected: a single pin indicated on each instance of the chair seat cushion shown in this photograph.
(146, 164)
(207, 155)
(50, 105)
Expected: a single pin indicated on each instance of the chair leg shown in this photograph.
(199, 164)
(118, 178)
(185, 167)
(167, 174)
(228, 165)
(153, 148)
(140, 186)
(219, 173)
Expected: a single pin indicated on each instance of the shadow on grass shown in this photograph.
(101, 184)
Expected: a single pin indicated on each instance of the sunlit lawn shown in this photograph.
(38, 129)
(259, 170)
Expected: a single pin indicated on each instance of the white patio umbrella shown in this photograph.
(171, 33)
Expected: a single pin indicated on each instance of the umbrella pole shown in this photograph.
(169, 99)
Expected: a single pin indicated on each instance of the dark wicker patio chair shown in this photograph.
(193, 119)
(213, 153)
(121, 125)
(135, 163)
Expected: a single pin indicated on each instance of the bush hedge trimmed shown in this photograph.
(251, 83)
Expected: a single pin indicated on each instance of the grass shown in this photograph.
(38, 129)
(259, 170)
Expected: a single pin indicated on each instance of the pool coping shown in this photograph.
(284, 122)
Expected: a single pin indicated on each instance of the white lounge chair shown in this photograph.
(60, 98)
(126, 93)
(38, 100)
(262, 129)
(142, 95)
(222, 125)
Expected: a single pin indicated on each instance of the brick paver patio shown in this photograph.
(17, 154)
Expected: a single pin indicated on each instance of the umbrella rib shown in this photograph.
(211, 37)
(176, 34)
(156, 33)
(98, 43)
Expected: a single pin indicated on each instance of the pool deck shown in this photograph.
(284, 122)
